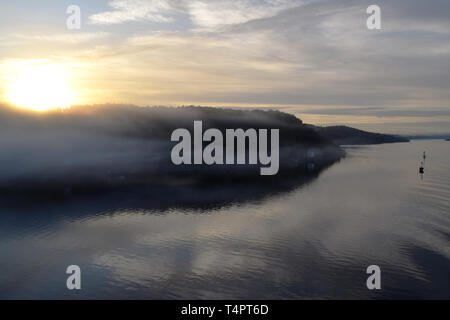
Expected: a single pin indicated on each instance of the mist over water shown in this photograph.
(92, 148)
(312, 239)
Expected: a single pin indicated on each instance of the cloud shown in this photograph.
(204, 14)
(72, 38)
(220, 13)
(135, 10)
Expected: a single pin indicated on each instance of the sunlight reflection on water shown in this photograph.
(314, 241)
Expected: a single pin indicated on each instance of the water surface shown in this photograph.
(312, 241)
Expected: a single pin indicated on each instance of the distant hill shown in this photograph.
(430, 137)
(343, 135)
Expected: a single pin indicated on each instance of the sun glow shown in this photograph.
(39, 86)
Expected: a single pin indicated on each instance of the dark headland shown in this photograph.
(343, 135)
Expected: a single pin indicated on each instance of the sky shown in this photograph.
(313, 58)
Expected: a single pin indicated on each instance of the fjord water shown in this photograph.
(315, 241)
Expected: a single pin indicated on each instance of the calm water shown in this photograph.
(314, 241)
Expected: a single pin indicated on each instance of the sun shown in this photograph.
(39, 87)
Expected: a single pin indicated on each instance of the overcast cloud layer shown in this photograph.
(317, 59)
